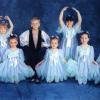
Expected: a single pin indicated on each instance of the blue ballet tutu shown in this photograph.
(52, 72)
(53, 67)
(10, 73)
(82, 73)
(72, 68)
(94, 73)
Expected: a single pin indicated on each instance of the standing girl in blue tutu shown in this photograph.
(87, 67)
(69, 31)
(5, 32)
(13, 68)
(53, 67)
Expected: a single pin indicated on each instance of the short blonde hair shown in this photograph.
(35, 18)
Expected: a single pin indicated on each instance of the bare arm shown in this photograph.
(10, 22)
(40, 63)
(94, 62)
(79, 17)
(61, 22)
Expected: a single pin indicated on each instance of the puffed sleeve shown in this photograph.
(77, 28)
(21, 55)
(62, 29)
(46, 39)
(24, 38)
(59, 30)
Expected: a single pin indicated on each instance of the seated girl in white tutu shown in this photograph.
(13, 68)
(87, 67)
(53, 67)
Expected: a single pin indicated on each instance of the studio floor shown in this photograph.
(67, 90)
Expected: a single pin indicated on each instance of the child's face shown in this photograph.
(35, 24)
(69, 24)
(84, 39)
(13, 43)
(54, 43)
(3, 29)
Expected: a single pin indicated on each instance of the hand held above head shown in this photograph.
(65, 8)
(74, 9)
(7, 17)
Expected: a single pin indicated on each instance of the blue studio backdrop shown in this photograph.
(21, 12)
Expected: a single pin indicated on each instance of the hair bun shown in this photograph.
(85, 32)
(4, 21)
(54, 37)
(13, 35)
(69, 18)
